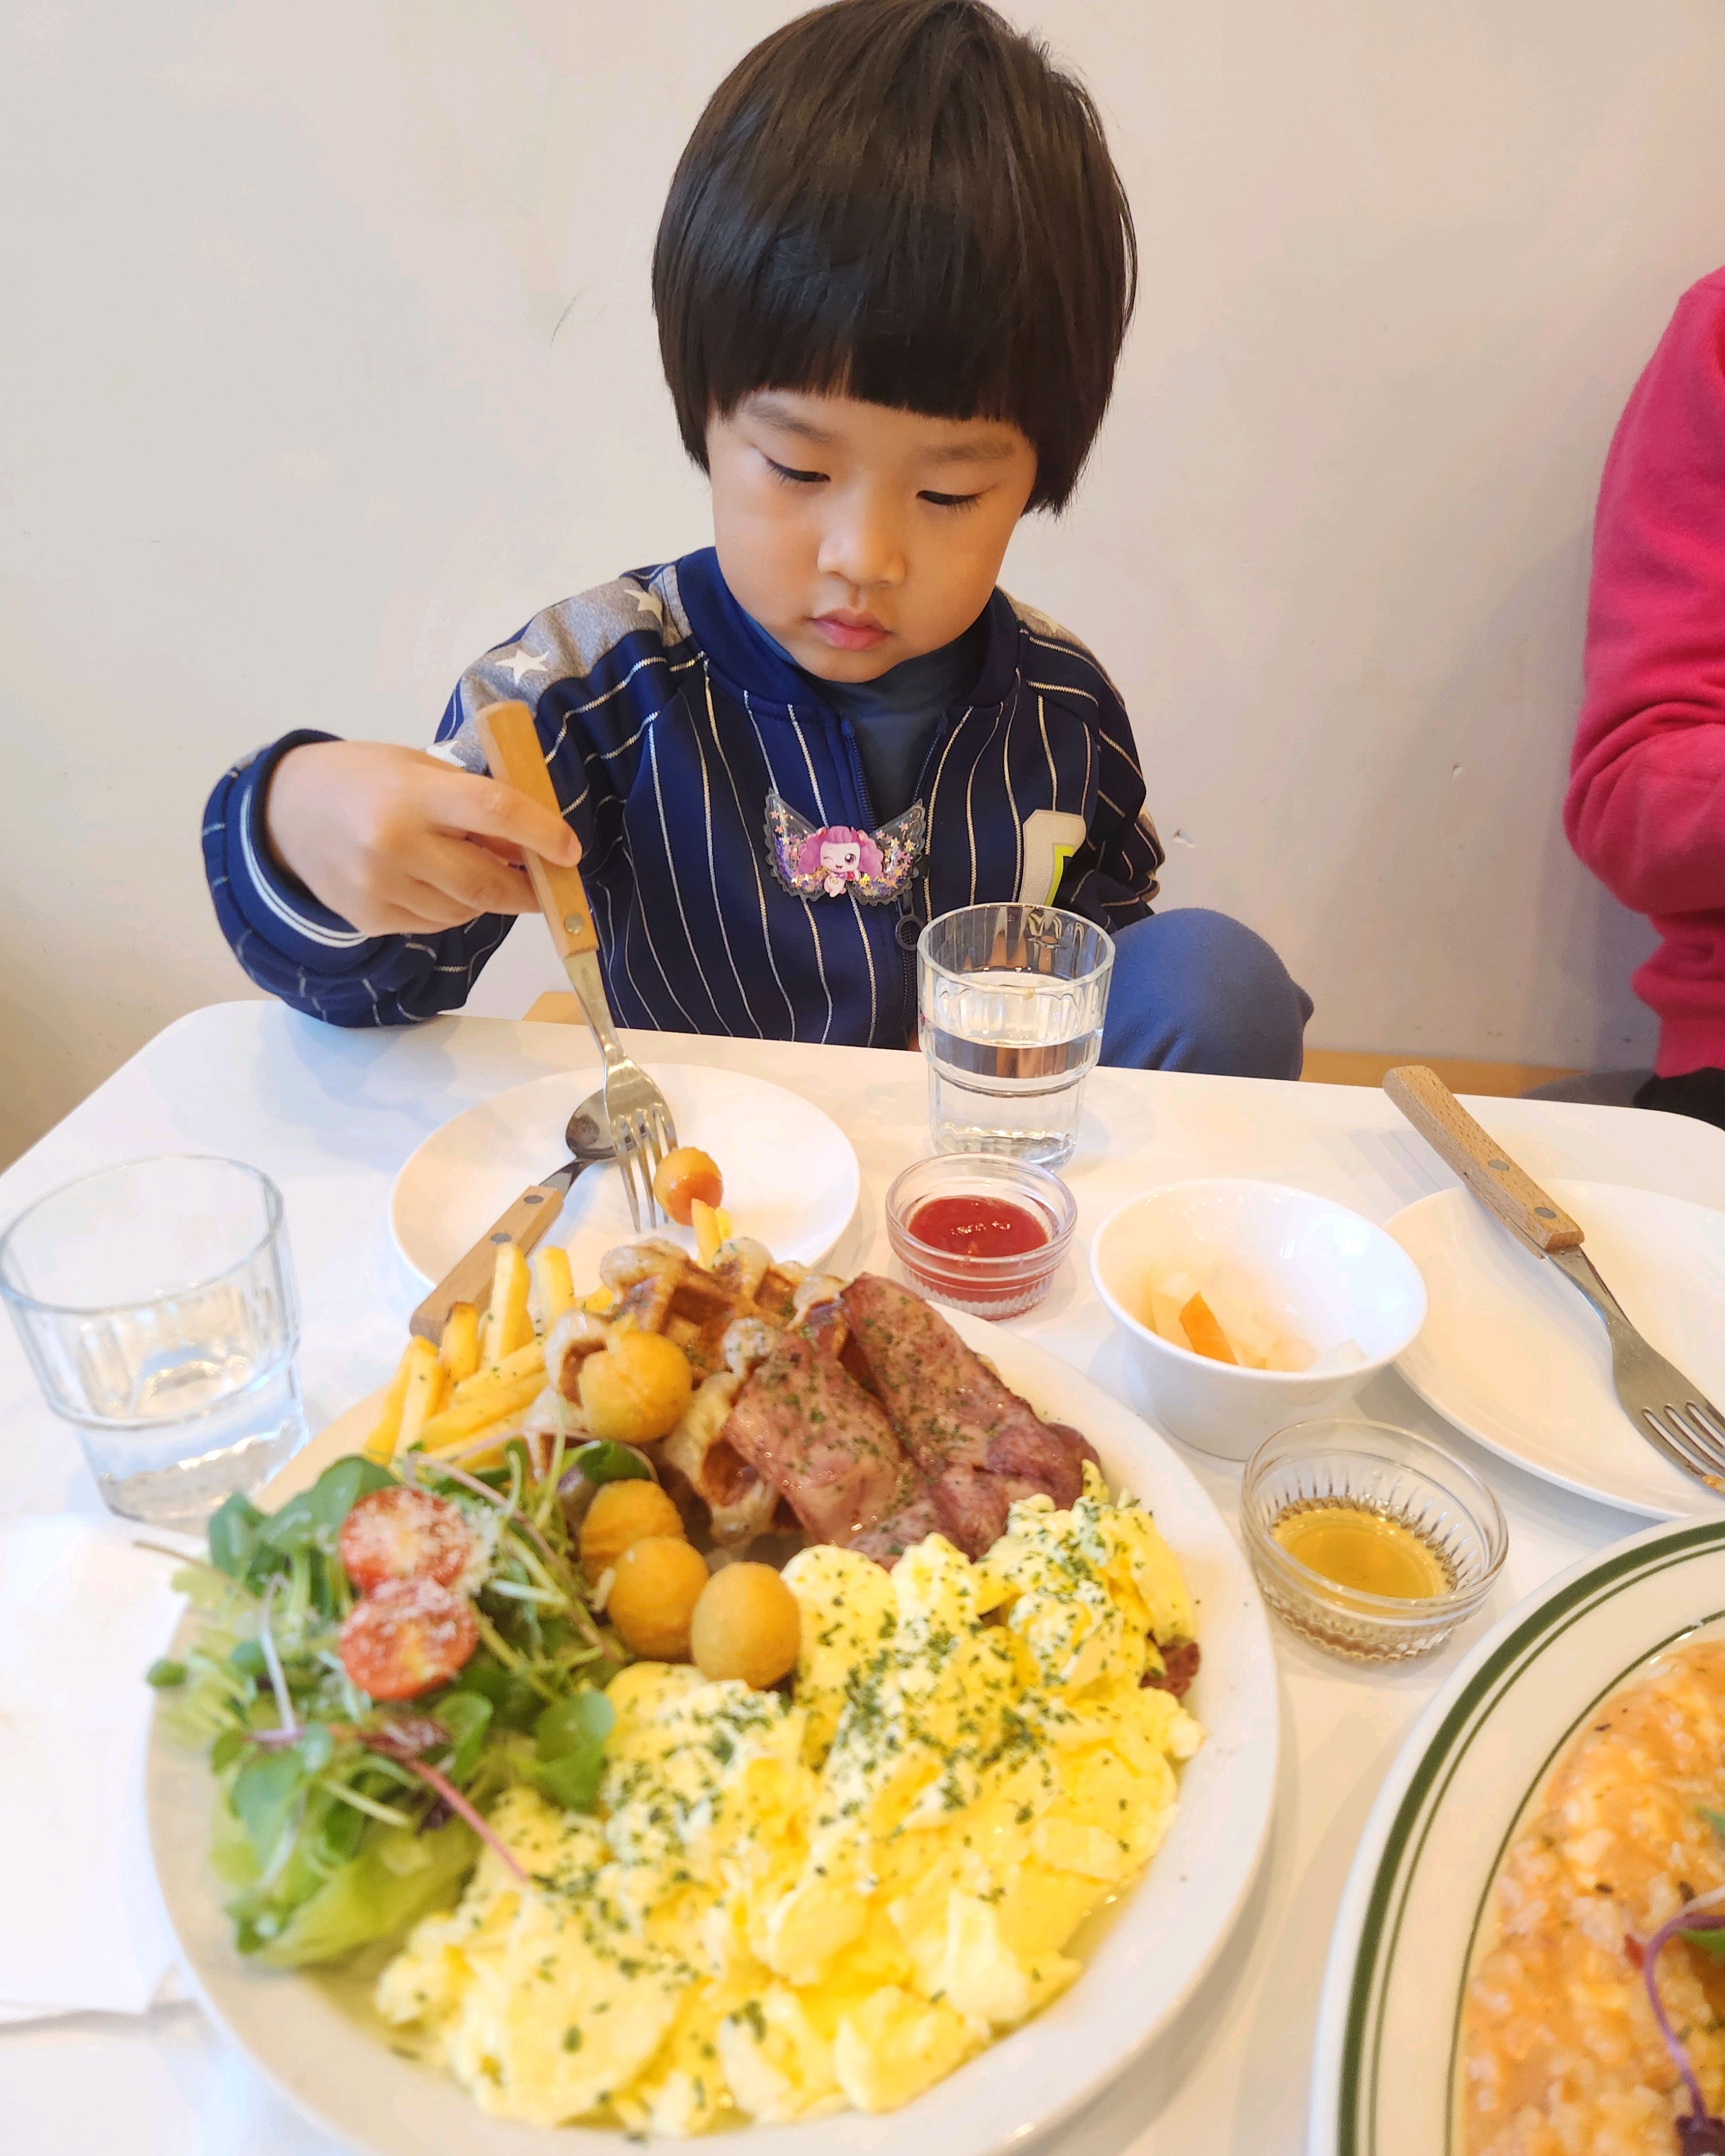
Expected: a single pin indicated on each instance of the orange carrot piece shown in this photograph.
(1198, 1321)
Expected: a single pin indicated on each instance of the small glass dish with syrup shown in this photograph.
(982, 1231)
(1367, 1539)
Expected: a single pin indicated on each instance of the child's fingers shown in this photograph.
(411, 907)
(505, 849)
(472, 878)
(433, 910)
(462, 803)
(417, 910)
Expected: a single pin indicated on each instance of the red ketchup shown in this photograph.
(972, 1226)
(976, 1237)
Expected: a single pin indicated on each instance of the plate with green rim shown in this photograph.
(1385, 2070)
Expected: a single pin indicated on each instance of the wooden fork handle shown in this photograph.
(1494, 1178)
(468, 1279)
(511, 742)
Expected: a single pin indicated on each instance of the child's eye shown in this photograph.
(951, 500)
(793, 478)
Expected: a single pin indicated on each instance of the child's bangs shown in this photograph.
(902, 320)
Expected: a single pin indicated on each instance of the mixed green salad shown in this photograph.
(373, 1665)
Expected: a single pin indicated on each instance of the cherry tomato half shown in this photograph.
(407, 1637)
(400, 1534)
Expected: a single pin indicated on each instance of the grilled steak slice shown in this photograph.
(805, 1425)
(1078, 1444)
(971, 1505)
(910, 1521)
(979, 1445)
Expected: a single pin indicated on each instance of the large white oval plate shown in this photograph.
(341, 2073)
(1511, 1354)
(791, 1175)
(1385, 2067)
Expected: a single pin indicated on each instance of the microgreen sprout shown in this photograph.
(1699, 2132)
(514, 1517)
(272, 1661)
(380, 1740)
(553, 1473)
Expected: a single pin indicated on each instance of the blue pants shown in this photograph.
(1194, 990)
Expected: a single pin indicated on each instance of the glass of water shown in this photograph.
(1009, 1003)
(157, 1302)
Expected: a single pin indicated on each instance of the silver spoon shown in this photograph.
(587, 1136)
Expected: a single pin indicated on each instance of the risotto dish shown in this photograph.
(1601, 1924)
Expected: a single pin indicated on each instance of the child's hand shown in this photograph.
(397, 842)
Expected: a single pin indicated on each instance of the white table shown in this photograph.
(332, 1115)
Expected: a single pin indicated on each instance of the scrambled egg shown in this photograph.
(778, 1910)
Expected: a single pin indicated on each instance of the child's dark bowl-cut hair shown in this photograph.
(904, 202)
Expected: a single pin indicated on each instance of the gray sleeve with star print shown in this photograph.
(592, 669)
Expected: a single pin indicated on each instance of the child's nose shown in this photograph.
(861, 547)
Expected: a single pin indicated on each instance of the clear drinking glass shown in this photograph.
(157, 1303)
(1009, 1004)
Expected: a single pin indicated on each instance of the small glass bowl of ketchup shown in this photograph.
(980, 1230)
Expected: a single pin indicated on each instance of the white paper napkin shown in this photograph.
(82, 1614)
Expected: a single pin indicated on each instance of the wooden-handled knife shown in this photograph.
(1468, 1148)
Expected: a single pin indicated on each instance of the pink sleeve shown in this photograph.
(1645, 808)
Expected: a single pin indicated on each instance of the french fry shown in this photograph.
(601, 1302)
(509, 1326)
(379, 1447)
(463, 1420)
(522, 1364)
(556, 1284)
(705, 1220)
(460, 1353)
(427, 1381)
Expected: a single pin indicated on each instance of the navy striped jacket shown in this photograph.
(665, 722)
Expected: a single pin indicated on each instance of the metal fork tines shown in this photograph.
(1669, 1409)
(639, 1116)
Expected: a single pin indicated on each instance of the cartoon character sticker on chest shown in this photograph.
(836, 860)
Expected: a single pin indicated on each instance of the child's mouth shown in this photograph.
(848, 632)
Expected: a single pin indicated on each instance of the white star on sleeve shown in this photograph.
(650, 603)
(524, 662)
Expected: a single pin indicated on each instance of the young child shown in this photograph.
(1646, 805)
(892, 279)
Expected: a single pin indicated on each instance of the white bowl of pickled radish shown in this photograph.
(1248, 1306)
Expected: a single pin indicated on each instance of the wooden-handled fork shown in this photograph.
(1670, 1411)
(640, 1118)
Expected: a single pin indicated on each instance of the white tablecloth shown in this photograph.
(332, 1115)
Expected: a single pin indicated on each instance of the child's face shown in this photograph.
(858, 535)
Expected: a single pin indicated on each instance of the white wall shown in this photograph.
(326, 358)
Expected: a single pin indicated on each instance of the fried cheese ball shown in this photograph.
(653, 1591)
(636, 1388)
(747, 1625)
(622, 1513)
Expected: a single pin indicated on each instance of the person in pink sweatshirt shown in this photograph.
(1647, 802)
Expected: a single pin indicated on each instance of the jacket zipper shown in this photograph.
(907, 957)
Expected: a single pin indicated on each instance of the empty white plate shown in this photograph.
(1511, 1354)
(791, 1176)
